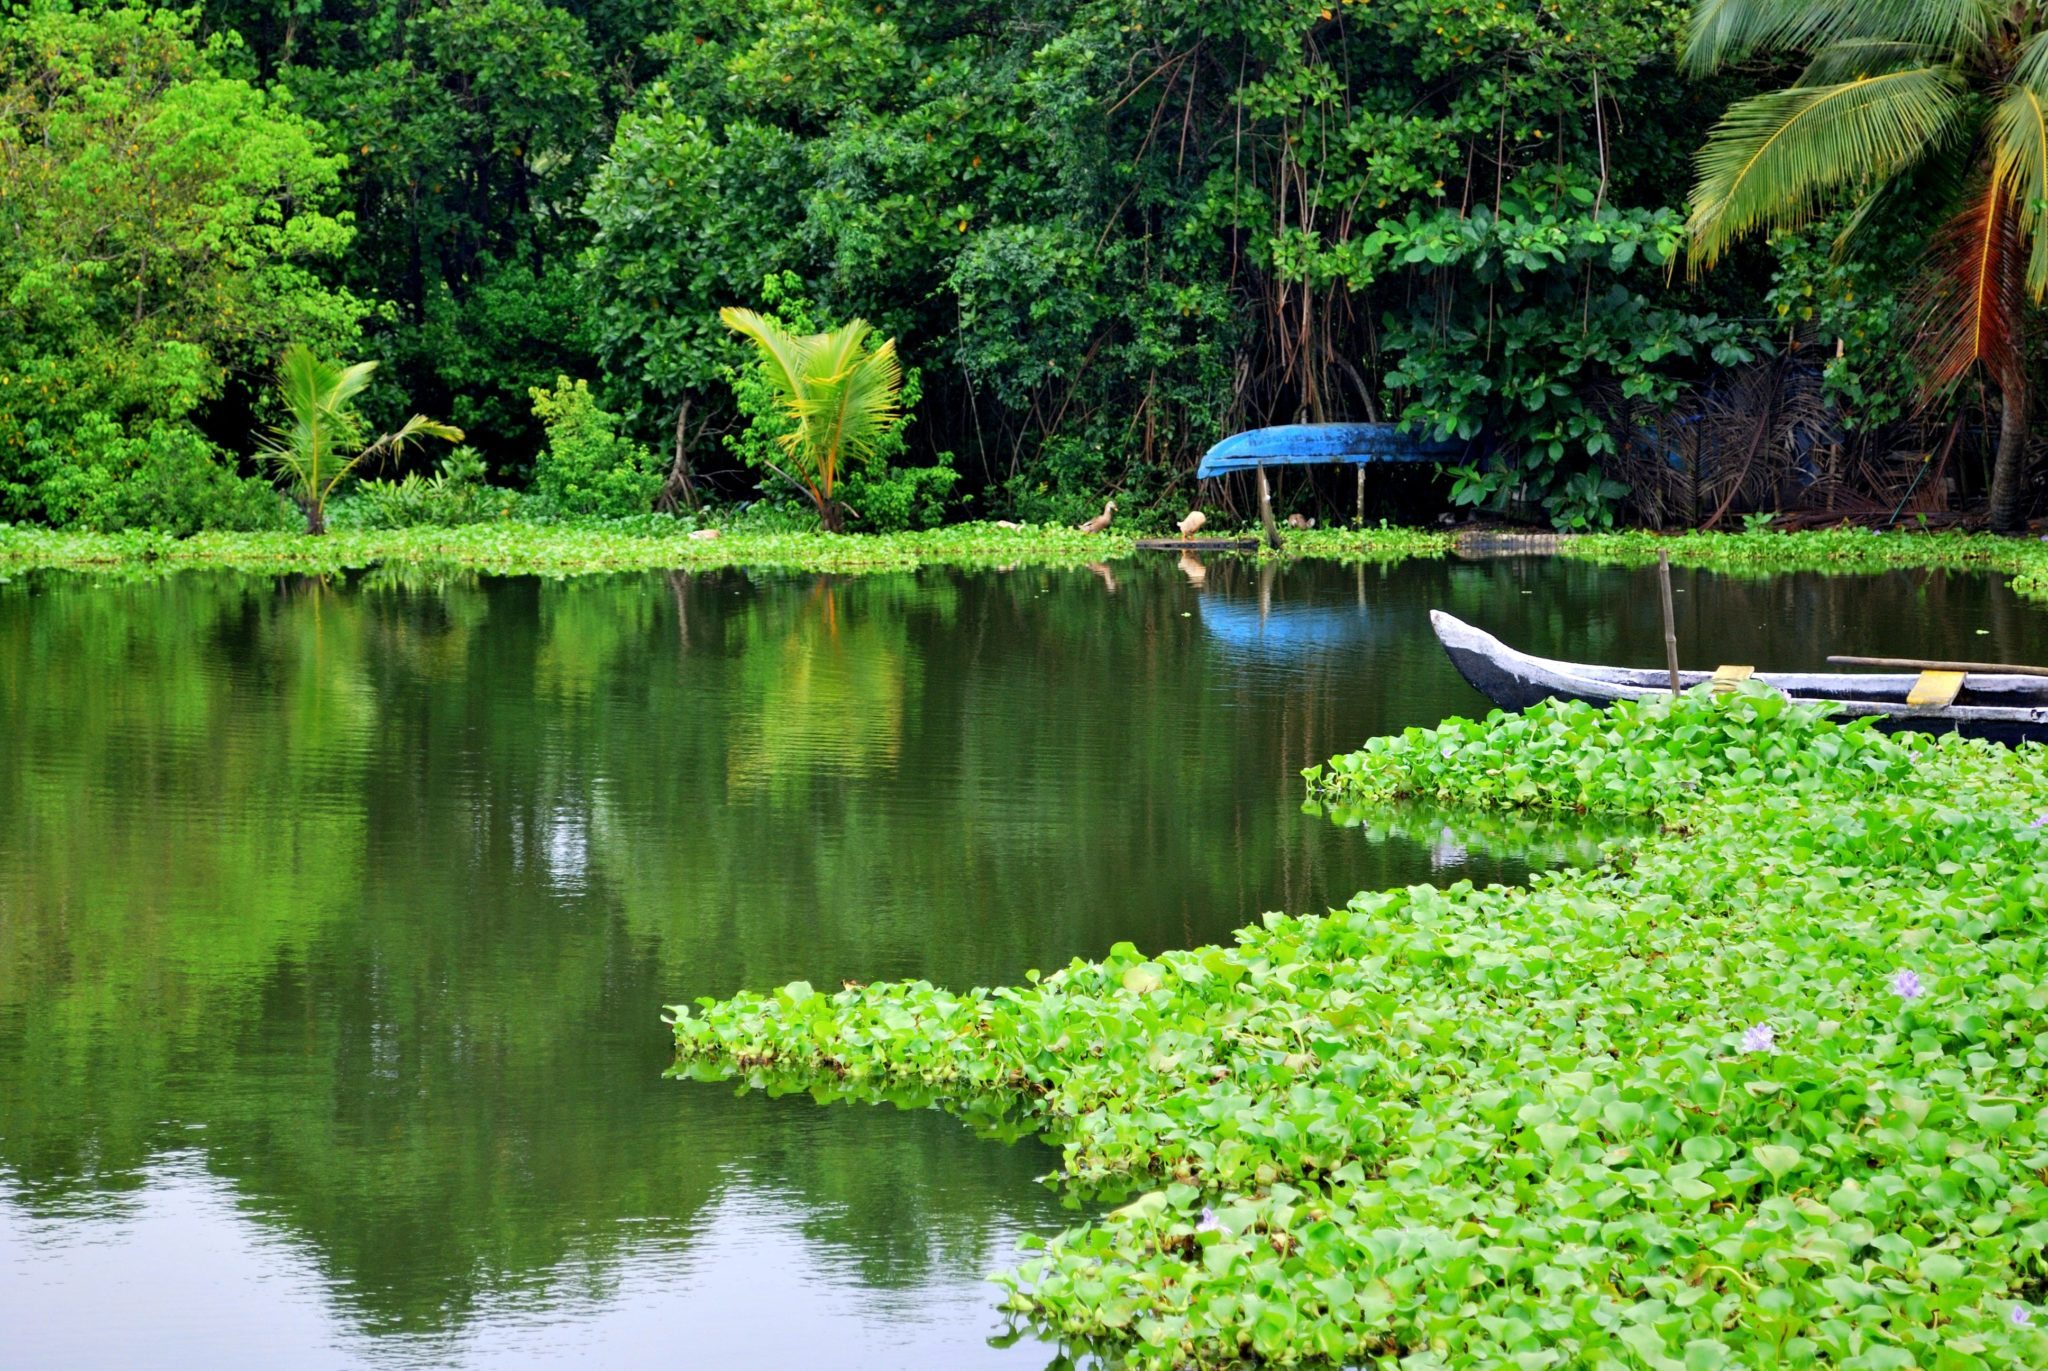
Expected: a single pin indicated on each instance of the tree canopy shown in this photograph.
(1103, 233)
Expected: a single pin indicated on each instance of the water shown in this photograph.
(335, 919)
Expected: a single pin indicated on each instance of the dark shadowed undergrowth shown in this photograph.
(1763, 1089)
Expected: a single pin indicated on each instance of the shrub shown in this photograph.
(99, 476)
(454, 494)
(588, 467)
(886, 500)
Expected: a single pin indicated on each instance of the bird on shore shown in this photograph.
(1100, 521)
(1300, 521)
(1193, 523)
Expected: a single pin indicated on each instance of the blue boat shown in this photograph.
(1300, 445)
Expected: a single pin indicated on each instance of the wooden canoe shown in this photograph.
(2003, 708)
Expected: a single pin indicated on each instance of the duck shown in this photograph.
(1193, 523)
(1300, 521)
(1101, 521)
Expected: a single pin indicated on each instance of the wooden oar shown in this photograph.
(1915, 664)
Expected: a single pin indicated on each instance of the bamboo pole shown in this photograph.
(1670, 619)
(1915, 664)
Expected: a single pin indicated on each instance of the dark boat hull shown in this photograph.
(2002, 709)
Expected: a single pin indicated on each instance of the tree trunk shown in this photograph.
(2008, 471)
(316, 517)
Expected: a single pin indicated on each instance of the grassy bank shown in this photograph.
(555, 549)
(1844, 551)
(649, 544)
(1763, 1090)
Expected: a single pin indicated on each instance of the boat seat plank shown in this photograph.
(1727, 677)
(1935, 690)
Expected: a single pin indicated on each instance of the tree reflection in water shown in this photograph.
(335, 918)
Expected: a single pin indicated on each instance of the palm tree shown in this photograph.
(304, 449)
(842, 396)
(1898, 97)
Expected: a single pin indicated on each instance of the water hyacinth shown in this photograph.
(1906, 985)
(1495, 1126)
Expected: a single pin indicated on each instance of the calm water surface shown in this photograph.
(335, 919)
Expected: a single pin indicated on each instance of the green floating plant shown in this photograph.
(1767, 1088)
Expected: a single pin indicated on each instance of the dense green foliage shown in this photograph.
(165, 228)
(587, 467)
(1764, 1091)
(1102, 234)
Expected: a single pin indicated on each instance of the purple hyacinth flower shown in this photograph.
(2021, 1316)
(1906, 985)
(2039, 820)
(1762, 1038)
(1208, 1223)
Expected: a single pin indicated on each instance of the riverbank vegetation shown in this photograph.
(1559, 1124)
(501, 544)
(1100, 236)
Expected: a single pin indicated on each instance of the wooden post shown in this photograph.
(1266, 511)
(1670, 620)
(1359, 518)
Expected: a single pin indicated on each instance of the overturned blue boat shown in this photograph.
(1300, 445)
(1303, 445)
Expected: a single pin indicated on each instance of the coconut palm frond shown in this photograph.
(1935, 181)
(1854, 57)
(417, 425)
(782, 352)
(1721, 32)
(1775, 159)
(843, 395)
(851, 400)
(2019, 161)
(393, 444)
(1970, 303)
(315, 394)
(2030, 68)
(305, 448)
